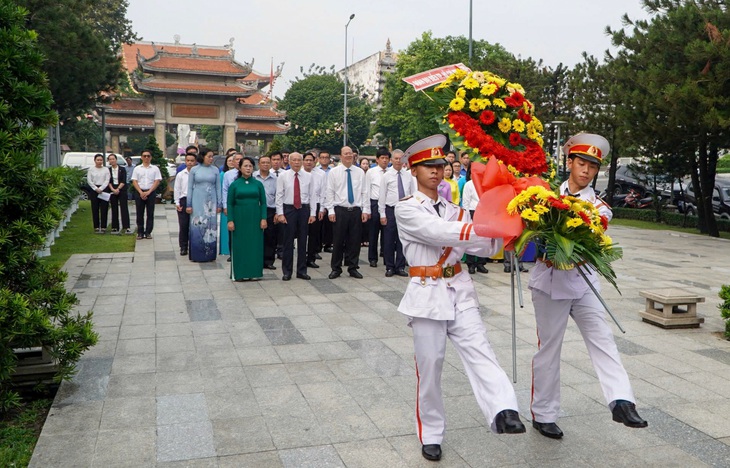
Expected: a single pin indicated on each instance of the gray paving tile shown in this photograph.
(716, 354)
(71, 418)
(712, 452)
(161, 256)
(275, 323)
(180, 409)
(326, 286)
(285, 336)
(630, 348)
(130, 447)
(243, 435)
(671, 429)
(323, 456)
(55, 450)
(380, 358)
(394, 297)
(202, 310)
(251, 460)
(185, 441)
(124, 413)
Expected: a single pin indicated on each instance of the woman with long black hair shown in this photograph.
(98, 179)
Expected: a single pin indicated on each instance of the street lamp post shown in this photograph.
(557, 124)
(344, 119)
(470, 40)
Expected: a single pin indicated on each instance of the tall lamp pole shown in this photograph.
(557, 124)
(470, 40)
(344, 120)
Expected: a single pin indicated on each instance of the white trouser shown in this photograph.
(492, 388)
(551, 316)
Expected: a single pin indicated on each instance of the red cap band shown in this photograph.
(426, 155)
(588, 150)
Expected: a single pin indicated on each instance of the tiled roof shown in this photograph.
(255, 98)
(129, 121)
(266, 128)
(259, 113)
(195, 87)
(132, 106)
(145, 49)
(207, 65)
(257, 76)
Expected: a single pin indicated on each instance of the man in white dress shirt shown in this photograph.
(295, 212)
(397, 184)
(348, 208)
(440, 301)
(181, 197)
(373, 178)
(325, 166)
(145, 179)
(559, 294)
(317, 193)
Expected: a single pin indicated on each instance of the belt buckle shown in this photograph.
(449, 271)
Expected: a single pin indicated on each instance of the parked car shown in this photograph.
(85, 160)
(720, 198)
(626, 179)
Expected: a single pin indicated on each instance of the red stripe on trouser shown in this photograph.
(418, 406)
(532, 389)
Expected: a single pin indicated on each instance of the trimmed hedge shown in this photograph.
(670, 219)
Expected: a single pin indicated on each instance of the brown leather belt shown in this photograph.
(435, 271)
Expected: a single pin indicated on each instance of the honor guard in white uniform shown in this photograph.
(558, 294)
(440, 301)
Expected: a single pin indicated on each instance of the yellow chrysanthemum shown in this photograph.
(488, 89)
(441, 86)
(459, 74)
(457, 104)
(460, 93)
(529, 215)
(537, 124)
(484, 103)
(541, 209)
(605, 240)
(474, 105)
(576, 207)
(470, 83)
(512, 87)
(505, 125)
(573, 222)
(518, 125)
(497, 102)
(479, 76)
(539, 141)
(526, 107)
(531, 132)
(497, 80)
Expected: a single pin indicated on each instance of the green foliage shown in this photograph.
(278, 143)
(35, 308)
(81, 135)
(724, 294)
(314, 108)
(666, 217)
(213, 135)
(80, 40)
(158, 159)
(19, 432)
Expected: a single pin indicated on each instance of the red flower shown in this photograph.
(556, 203)
(518, 98)
(487, 117)
(514, 139)
(604, 222)
(524, 116)
(511, 102)
(585, 218)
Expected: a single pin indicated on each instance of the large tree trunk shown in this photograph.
(612, 165)
(707, 185)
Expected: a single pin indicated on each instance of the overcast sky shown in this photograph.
(303, 32)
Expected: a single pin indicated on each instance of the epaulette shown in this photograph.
(406, 198)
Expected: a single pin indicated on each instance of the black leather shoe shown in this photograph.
(482, 269)
(334, 274)
(312, 265)
(286, 278)
(270, 267)
(229, 259)
(183, 252)
(374, 264)
(472, 270)
(508, 422)
(401, 273)
(317, 257)
(625, 412)
(355, 274)
(548, 429)
(329, 249)
(389, 273)
(431, 452)
(304, 276)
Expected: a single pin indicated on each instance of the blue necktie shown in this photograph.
(350, 193)
(401, 191)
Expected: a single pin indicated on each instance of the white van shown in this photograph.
(86, 160)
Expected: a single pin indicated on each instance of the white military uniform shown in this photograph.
(557, 294)
(447, 307)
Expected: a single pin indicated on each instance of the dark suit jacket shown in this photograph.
(122, 178)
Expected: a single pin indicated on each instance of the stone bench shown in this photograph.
(671, 308)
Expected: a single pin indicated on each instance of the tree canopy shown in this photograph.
(314, 107)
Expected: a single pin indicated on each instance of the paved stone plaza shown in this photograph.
(194, 370)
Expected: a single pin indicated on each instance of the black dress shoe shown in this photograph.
(286, 278)
(270, 267)
(334, 274)
(472, 270)
(482, 269)
(329, 249)
(303, 276)
(229, 259)
(548, 429)
(401, 273)
(355, 274)
(431, 452)
(625, 412)
(312, 265)
(317, 257)
(373, 264)
(389, 273)
(183, 252)
(508, 422)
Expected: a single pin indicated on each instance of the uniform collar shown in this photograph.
(585, 194)
(428, 202)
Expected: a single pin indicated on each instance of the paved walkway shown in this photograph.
(194, 370)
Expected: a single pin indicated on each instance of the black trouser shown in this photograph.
(183, 221)
(376, 230)
(346, 234)
(313, 240)
(145, 207)
(280, 235)
(117, 202)
(326, 226)
(296, 227)
(99, 210)
(393, 249)
(473, 260)
(270, 237)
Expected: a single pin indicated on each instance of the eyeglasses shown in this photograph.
(146, 155)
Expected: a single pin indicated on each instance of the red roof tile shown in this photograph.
(129, 121)
(259, 113)
(255, 98)
(261, 127)
(195, 87)
(136, 106)
(198, 65)
(145, 49)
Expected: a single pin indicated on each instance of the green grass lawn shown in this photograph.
(79, 238)
(659, 227)
(19, 431)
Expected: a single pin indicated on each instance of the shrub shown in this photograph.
(725, 308)
(35, 309)
(670, 219)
